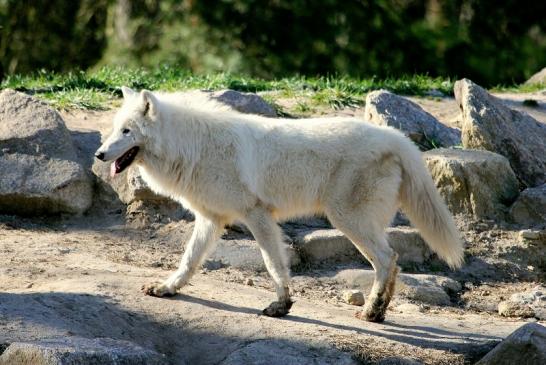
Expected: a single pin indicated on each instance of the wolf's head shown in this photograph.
(125, 143)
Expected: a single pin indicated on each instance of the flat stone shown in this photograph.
(326, 245)
(331, 245)
(430, 289)
(243, 254)
(81, 351)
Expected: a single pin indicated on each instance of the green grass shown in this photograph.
(100, 89)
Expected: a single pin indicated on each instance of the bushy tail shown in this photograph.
(425, 208)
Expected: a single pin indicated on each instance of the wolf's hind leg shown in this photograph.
(372, 243)
(205, 233)
(268, 235)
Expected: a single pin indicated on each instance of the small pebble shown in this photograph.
(249, 282)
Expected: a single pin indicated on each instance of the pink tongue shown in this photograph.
(113, 169)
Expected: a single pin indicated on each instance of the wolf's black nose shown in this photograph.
(100, 155)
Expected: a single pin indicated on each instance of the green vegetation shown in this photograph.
(488, 41)
(101, 89)
(98, 89)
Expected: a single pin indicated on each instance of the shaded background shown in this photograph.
(492, 42)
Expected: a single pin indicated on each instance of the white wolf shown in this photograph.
(226, 166)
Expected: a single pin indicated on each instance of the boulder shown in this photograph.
(490, 125)
(81, 351)
(525, 346)
(244, 102)
(477, 183)
(385, 108)
(537, 79)
(530, 207)
(41, 172)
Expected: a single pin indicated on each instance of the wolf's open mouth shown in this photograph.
(123, 162)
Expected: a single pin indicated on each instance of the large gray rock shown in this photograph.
(490, 125)
(430, 289)
(322, 245)
(530, 207)
(385, 108)
(525, 346)
(41, 172)
(244, 102)
(81, 351)
(33, 185)
(537, 79)
(477, 183)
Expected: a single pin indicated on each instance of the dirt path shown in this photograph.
(81, 277)
(60, 282)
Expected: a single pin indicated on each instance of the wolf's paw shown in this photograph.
(370, 316)
(157, 290)
(278, 309)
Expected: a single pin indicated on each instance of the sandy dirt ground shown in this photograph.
(81, 276)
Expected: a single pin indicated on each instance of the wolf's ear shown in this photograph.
(149, 103)
(127, 92)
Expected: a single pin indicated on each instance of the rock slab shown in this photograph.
(490, 125)
(430, 289)
(322, 245)
(81, 351)
(478, 183)
(385, 108)
(525, 346)
(41, 172)
(243, 254)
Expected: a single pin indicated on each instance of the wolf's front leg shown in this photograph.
(205, 233)
(268, 235)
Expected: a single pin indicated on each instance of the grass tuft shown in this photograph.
(100, 88)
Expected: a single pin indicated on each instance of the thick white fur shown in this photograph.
(226, 166)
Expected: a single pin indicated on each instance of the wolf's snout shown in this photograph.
(100, 155)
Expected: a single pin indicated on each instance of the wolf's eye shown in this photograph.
(125, 131)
